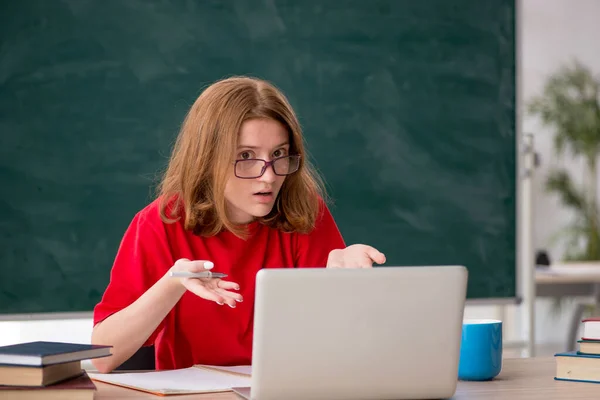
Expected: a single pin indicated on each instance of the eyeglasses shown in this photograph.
(255, 167)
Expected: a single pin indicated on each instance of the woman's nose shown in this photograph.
(269, 174)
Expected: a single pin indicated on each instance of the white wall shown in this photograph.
(553, 31)
(556, 32)
(76, 330)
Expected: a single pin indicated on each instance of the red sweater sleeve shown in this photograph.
(143, 257)
(314, 247)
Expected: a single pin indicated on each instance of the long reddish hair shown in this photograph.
(193, 185)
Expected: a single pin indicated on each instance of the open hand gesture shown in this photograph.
(355, 256)
(213, 289)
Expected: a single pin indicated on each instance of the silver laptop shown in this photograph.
(377, 333)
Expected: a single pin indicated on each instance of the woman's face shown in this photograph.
(248, 199)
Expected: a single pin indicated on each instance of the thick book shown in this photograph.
(18, 375)
(79, 388)
(47, 353)
(196, 379)
(574, 366)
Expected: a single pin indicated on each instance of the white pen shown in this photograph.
(204, 274)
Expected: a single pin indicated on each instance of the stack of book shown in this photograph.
(582, 365)
(47, 370)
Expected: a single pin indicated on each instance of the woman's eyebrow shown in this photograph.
(258, 147)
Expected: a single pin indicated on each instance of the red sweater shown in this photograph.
(198, 331)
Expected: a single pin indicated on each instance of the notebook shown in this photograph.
(196, 379)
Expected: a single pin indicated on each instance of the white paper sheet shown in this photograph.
(186, 380)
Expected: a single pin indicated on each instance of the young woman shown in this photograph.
(238, 195)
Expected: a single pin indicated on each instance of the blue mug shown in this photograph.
(480, 350)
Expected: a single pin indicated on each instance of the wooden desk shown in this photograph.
(565, 274)
(520, 379)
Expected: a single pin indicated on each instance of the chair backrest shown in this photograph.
(143, 359)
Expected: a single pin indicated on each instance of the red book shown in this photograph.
(591, 329)
(80, 388)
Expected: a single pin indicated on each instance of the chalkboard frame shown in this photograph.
(519, 289)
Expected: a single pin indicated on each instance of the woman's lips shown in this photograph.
(263, 197)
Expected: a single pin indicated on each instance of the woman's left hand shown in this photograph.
(355, 256)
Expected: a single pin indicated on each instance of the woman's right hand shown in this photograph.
(213, 289)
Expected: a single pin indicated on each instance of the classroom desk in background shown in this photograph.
(575, 279)
(520, 379)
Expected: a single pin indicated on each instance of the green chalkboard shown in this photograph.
(408, 109)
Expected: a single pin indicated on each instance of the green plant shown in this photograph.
(570, 103)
